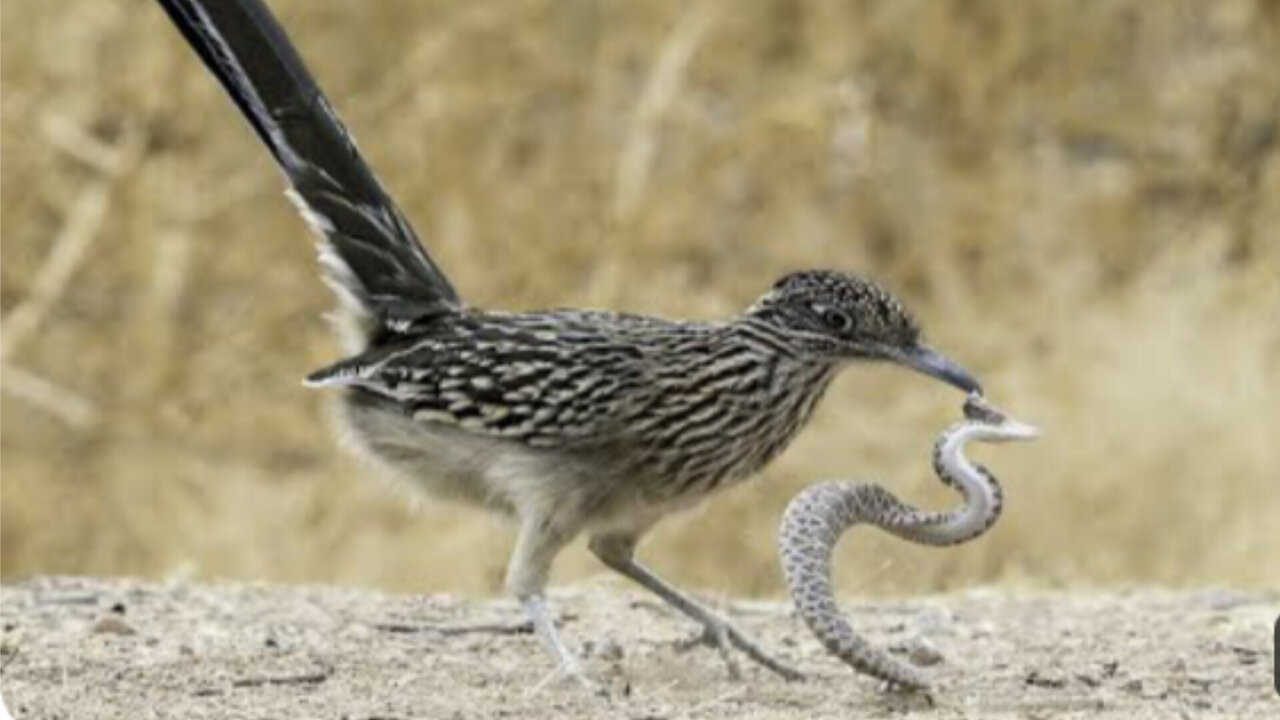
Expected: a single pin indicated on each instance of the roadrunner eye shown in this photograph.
(837, 320)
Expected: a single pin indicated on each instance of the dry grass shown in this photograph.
(1081, 200)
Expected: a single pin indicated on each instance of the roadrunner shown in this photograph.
(568, 421)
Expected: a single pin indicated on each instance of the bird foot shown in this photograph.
(571, 671)
(724, 637)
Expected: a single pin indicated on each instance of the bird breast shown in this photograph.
(719, 426)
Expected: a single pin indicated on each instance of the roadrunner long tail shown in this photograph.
(370, 253)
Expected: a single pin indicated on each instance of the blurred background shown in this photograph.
(1080, 200)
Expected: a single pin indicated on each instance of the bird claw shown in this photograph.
(716, 636)
(571, 672)
(724, 638)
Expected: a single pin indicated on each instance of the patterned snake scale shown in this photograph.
(816, 519)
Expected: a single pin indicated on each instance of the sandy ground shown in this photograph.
(88, 648)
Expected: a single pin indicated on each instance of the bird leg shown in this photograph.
(618, 552)
(537, 543)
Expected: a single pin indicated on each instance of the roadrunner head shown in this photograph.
(845, 317)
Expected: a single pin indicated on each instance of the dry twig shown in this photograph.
(660, 91)
(57, 401)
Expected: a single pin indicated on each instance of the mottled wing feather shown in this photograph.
(545, 380)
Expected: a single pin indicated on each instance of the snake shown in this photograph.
(818, 517)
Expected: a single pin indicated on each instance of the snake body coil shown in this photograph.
(816, 519)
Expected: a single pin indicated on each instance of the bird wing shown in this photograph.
(523, 377)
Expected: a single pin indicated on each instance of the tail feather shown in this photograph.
(370, 254)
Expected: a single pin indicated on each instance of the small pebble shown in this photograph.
(610, 650)
(1039, 679)
(1088, 680)
(112, 625)
(604, 649)
(923, 653)
(936, 620)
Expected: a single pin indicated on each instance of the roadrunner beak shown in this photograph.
(934, 364)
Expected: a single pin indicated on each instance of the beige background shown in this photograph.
(1080, 200)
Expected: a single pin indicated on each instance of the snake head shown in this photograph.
(1002, 427)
